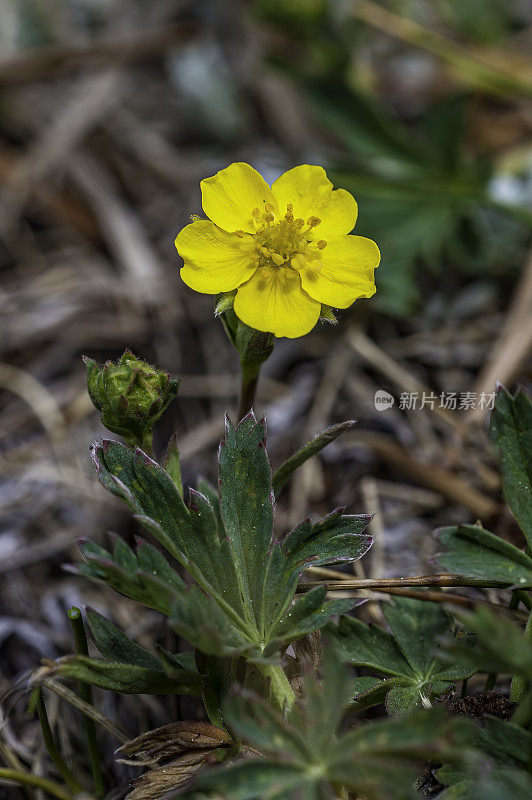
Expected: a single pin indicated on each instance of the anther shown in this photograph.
(289, 208)
(269, 207)
(299, 261)
(268, 217)
(299, 222)
(277, 259)
(240, 234)
(321, 244)
(313, 221)
(256, 212)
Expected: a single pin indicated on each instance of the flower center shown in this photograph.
(284, 245)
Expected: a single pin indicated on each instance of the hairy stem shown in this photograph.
(248, 388)
(81, 647)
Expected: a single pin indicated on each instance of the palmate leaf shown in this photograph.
(505, 749)
(407, 655)
(511, 436)
(246, 581)
(307, 757)
(477, 553)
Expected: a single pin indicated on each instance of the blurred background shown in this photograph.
(111, 112)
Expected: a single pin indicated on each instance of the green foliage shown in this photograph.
(242, 601)
(511, 436)
(505, 749)
(477, 553)
(130, 395)
(282, 475)
(406, 656)
(128, 668)
(501, 646)
(308, 757)
(422, 196)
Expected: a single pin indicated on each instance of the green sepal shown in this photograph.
(131, 395)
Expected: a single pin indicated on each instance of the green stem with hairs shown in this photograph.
(81, 647)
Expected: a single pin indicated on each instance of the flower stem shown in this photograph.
(248, 387)
(81, 647)
(48, 737)
(29, 779)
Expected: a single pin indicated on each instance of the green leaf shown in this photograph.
(246, 504)
(407, 654)
(127, 678)
(476, 553)
(505, 749)
(283, 474)
(246, 580)
(511, 436)
(114, 645)
(307, 756)
(146, 577)
(501, 646)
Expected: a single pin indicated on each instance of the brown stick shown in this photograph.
(413, 580)
(440, 480)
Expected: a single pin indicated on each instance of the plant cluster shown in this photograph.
(284, 670)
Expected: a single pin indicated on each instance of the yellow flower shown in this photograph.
(284, 248)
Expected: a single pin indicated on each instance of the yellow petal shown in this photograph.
(215, 261)
(311, 194)
(230, 196)
(347, 265)
(273, 301)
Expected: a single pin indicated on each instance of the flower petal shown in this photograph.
(229, 197)
(311, 194)
(347, 265)
(215, 261)
(273, 301)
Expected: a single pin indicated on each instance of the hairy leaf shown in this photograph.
(511, 435)
(407, 654)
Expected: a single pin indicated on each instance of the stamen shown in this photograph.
(321, 244)
(269, 207)
(299, 261)
(315, 265)
(313, 221)
(277, 259)
(289, 217)
(268, 217)
(299, 222)
(289, 208)
(256, 212)
(240, 234)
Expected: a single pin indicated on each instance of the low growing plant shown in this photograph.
(271, 658)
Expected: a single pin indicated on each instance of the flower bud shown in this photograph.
(130, 395)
